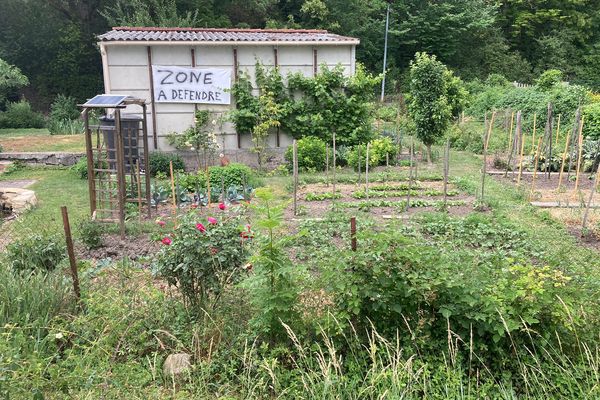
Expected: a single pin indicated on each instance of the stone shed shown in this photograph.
(179, 70)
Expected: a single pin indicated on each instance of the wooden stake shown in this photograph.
(446, 171)
(486, 141)
(514, 143)
(334, 163)
(589, 203)
(564, 156)
(295, 173)
(579, 154)
(367, 173)
(537, 156)
(173, 188)
(533, 138)
(521, 157)
(359, 164)
(410, 168)
(574, 139)
(510, 131)
(550, 131)
(71, 252)
(139, 188)
(353, 233)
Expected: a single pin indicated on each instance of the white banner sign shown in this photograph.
(191, 85)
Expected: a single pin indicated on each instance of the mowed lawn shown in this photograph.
(39, 140)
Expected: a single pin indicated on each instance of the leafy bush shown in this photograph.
(64, 108)
(80, 167)
(549, 79)
(159, 162)
(312, 154)
(202, 256)
(378, 149)
(20, 115)
(466, 137)
(36, 252)
(90, 233)
(233, 175)
(591, 128)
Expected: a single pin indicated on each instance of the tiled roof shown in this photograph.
(132, 34)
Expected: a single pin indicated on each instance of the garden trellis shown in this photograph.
(115, 166)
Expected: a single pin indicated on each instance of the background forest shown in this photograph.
(53, 42)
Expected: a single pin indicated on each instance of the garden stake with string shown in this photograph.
(589, 203)
(580, 142)
(537, 157)
(562, 164)
(173, 187)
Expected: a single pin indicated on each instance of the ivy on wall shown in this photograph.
(316, 106)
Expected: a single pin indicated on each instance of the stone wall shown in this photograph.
(48, 158)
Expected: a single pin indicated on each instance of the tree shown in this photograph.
(269, 112)
(428, 104)
(11, 79)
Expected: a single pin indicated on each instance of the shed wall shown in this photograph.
(126, 70)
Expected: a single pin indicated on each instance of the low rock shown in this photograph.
(176, 364)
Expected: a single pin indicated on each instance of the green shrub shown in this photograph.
(64, 108)
(233, 174)
(466, 137)
(90, 233)
(311, 154)
(160, 162)
(380, 148)
(80, 167)
(20, 115)
(201, 257)
(36, 252)
(591, 128)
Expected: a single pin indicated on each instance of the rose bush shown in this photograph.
(202, 255)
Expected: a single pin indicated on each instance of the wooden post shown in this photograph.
(410, 167)
(367, 173)
(387, 160)
(295, 174)
(71, 252)
(120, 156)
(589, 203)
(537, 156)
(564, 156)
(550, 131)
(580, 143)
(147, 171)
(510, 131)
(139, 188)
(152, 104)
(173, 188)
(522, 149)
(90, 161)
(533, 138)
(353, 233)
(334, 163)
(446, 171)
(514, 143)
(486, 142)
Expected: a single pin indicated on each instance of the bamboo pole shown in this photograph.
(589, 203)
(580, 151)
(173, 188)
(564, 157)
(537, 157)
(533, 138)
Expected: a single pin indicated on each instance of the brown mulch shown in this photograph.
(135, 248)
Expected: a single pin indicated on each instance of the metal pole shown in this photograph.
(387, 24)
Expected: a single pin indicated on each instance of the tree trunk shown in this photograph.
(428, 154)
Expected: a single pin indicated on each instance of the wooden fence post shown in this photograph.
(71, 252)
(295, 173)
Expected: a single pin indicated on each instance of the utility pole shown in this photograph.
(387, 24)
